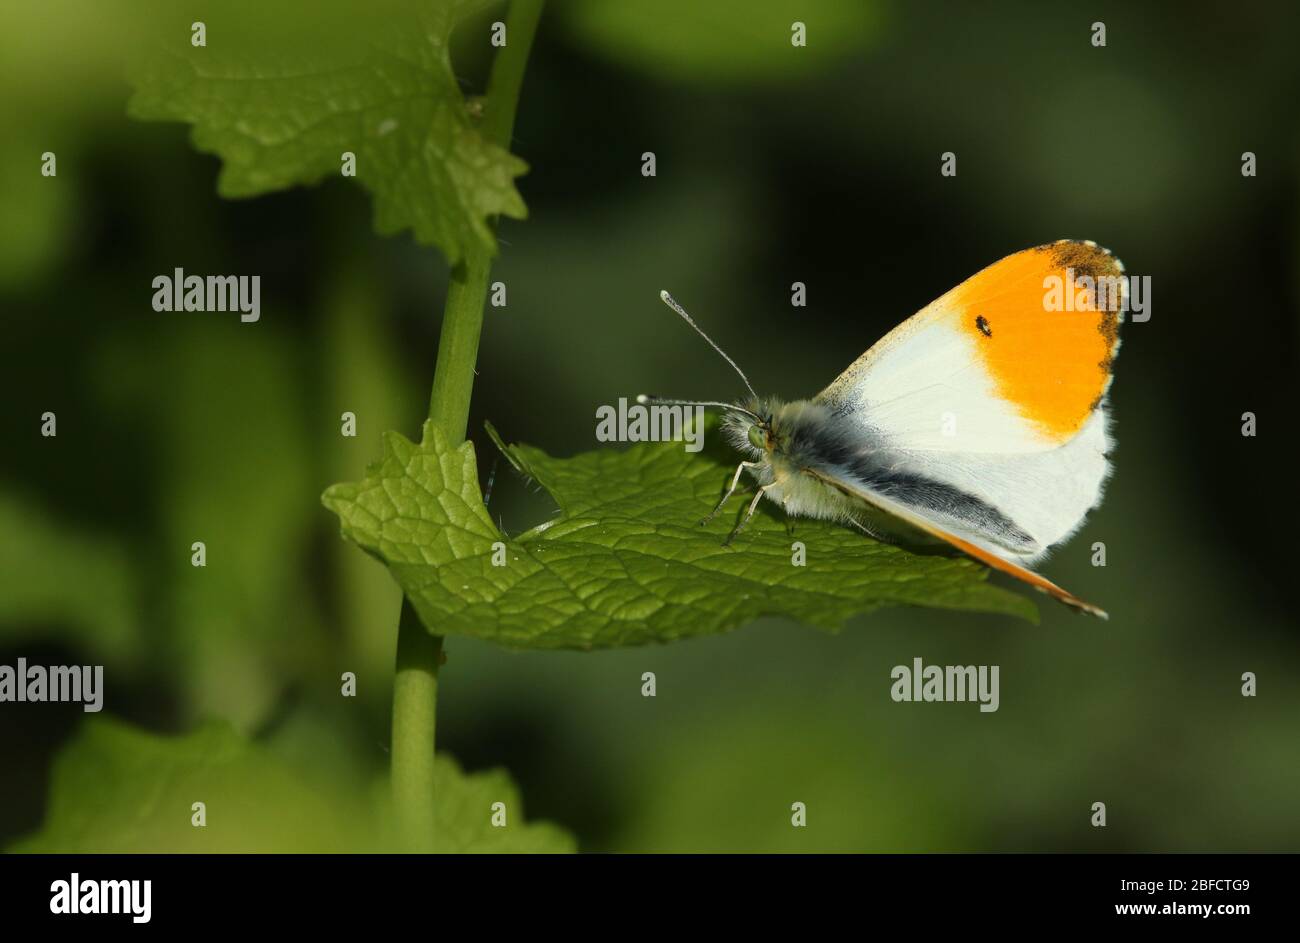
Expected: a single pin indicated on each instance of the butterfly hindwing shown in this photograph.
(908, 515)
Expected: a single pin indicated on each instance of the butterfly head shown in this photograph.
(749, 426)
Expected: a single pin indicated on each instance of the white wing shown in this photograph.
(991, 391)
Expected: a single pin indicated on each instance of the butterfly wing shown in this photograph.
(923, 523)
(1017, 375)
(996, 391)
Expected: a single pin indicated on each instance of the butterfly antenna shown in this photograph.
(647, 399)
(670, 302)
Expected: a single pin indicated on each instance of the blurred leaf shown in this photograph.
(626, 562)
(118, 789)
(89, 36)
(280, 100)
(463, 815)
(38, 217)
(232, 468)
(724, 39)
(52, 575)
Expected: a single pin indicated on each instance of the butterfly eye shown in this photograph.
(757, 437)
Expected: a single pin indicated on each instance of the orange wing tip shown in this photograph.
(1091, 244)
(1052, 371)
(1074, 602)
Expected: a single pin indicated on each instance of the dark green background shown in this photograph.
(775, 165)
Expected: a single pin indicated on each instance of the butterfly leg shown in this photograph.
(735, 479)
(871, 531)
(753, 506)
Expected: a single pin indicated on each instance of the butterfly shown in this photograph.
(979, 423)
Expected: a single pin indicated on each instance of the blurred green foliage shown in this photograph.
(727, 41)
(80, 586)
(180, 427)
(211, 791)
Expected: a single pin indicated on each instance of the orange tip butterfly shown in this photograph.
(980, 422)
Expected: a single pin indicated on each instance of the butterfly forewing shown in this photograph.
(997, 391)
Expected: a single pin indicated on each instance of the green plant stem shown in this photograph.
(415, 712)
(462, 319)
(419, 653)
(462, 322)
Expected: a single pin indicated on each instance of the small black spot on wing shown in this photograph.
(982, 323)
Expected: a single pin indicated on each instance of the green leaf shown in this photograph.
(281, 98)
(625, 562)
(464, 811)
(118, 789)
